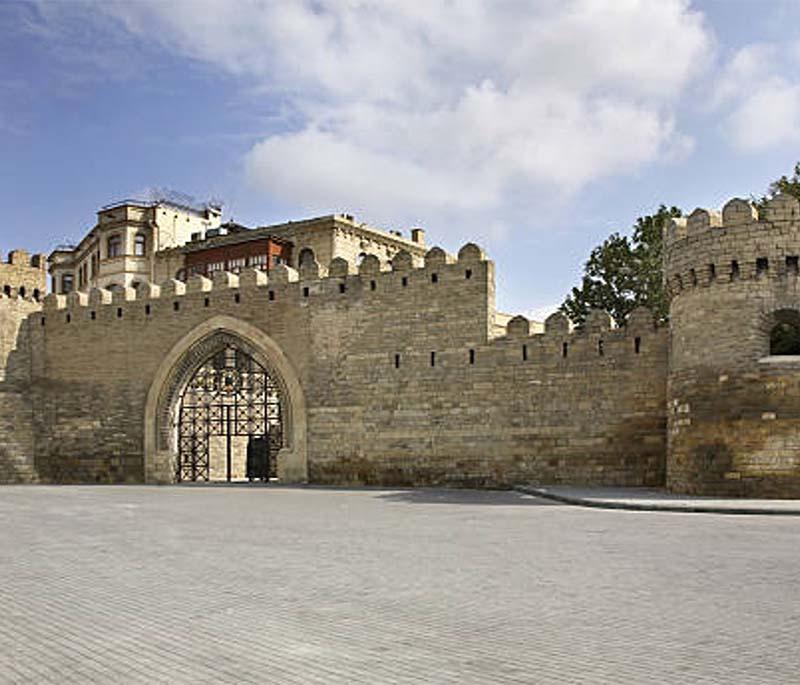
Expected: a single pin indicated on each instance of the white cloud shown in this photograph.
(762, 104)
(410, 110)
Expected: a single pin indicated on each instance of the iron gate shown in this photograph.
(230, 395)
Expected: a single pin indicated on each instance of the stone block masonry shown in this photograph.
(403, 373)
(734, 407)
(391, 376)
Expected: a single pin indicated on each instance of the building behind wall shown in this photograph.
(121, 250)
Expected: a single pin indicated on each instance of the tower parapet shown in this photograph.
(733, 393)
(23, 275)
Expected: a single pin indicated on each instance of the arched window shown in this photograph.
(306, 256)
(361, 258)
(784, 338)
(114, 246)
(140, 245)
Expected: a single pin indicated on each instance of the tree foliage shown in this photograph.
(790, 185)
(624, 273)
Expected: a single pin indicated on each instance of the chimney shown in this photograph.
(418, 236)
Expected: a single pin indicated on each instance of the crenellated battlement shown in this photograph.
(308, 284)
(739, 243)
(425, 296)
(597, 339)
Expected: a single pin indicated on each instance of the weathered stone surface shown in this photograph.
(404, 377)
(734, 411)
(400, 380)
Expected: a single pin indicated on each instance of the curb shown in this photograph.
(642, 506)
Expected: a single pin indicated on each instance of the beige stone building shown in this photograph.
(121, 250)
(389, 364)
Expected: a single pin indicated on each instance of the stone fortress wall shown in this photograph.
(733, 409)
(403, 381)
(403, 373)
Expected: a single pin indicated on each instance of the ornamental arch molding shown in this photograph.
(178, 368)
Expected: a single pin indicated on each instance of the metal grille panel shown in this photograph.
(231, 394)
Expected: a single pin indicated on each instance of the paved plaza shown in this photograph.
(312, 585)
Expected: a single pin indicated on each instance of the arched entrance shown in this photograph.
(226, 380)
(229, 419)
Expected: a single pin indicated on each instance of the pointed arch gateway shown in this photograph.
(225, 382)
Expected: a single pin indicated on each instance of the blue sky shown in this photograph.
(535, 128)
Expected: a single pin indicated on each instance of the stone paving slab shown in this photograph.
(655, 499)
(293, 585)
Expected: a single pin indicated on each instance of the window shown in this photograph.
(114, 246)
(236, 264)
(140, 245)
(762, 266)
(791, 264)
(259, 261)
(277, 259)
(784, 338)
(734, 270)
(67, 283)
(306, 256)
(215, 266)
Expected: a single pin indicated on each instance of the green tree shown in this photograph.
(624, 273)
(785, 184)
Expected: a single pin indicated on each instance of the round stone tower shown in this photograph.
(734, 373)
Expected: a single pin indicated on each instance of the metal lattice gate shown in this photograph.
(231, 397)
